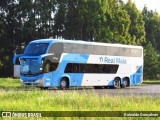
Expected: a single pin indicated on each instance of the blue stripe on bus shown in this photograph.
(137, 77)
(75, 78)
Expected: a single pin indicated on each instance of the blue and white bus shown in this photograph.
(65, 63)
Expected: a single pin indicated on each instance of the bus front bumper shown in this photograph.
(39, 82)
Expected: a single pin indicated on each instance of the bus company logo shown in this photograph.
(113, 60)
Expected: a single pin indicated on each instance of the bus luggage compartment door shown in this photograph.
(47, 79)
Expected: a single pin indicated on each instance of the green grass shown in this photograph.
(72, 100)
(15, 97)
(13, 84)
(9, 83)
(151, 82)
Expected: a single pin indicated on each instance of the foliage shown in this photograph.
(151, 63)
(136, 30)
(152, 27)
(152, 49)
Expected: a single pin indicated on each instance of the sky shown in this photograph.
(151, 4)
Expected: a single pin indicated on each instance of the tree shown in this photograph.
(59, 18)
(152, 27)
(93, 20)
(8, 21)
(118, 23)
(80, 19)
(137, 29)
(151, 62)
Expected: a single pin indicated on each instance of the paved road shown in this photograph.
(146, 90)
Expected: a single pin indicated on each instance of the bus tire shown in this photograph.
(125, 82)
(64, 84)
(116, 83)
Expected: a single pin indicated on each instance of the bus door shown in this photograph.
(47, 73)
(77, 76)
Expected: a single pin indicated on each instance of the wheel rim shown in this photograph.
(125, 82)
(116, 83)
(63, 83)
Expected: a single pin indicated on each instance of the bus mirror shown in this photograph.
(20, 58)
(42, 60)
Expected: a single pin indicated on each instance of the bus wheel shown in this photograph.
(64, 84)
(125, 82)
(116, 83)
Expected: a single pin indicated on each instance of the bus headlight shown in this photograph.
(21, 80)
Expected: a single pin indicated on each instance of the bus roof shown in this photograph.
(83, 42)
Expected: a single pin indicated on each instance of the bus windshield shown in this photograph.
(35, 49)
(30, 66)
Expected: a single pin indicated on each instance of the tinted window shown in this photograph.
(49, 66)
(56, 48)
(90, 68)
(30, 66)
(36, 49)
(95, 49)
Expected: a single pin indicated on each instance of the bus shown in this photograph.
(65, 63)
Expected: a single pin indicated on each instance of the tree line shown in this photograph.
(110, 21)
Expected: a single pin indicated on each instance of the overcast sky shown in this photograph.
(151, 4)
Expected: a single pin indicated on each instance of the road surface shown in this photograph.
(145, 90)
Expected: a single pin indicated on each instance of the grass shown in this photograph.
(151, 82)
(13, 84)
(72, 100)
(15, 97)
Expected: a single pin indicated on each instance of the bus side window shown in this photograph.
(72, 68)
(113, 68)
(68, 68)
(53, 66)
(50, 66)
(100, 69)
(75, 68)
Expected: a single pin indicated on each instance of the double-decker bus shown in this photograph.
(65, 63)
